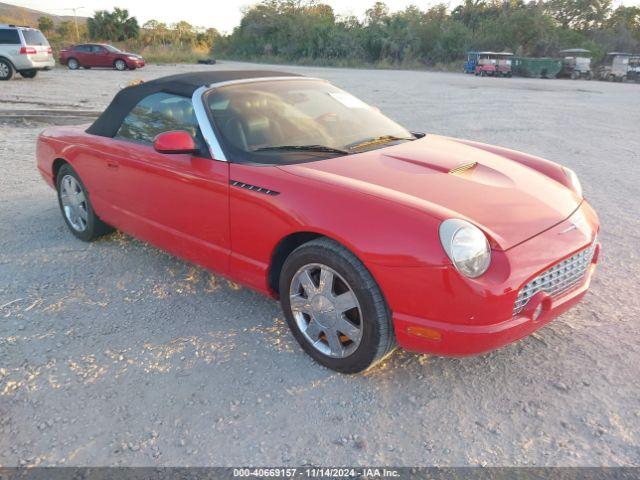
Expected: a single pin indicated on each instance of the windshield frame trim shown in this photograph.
(206, 125)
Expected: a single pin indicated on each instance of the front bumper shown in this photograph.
(135, 63)
(436, 310)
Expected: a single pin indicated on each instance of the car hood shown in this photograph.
(509, 201)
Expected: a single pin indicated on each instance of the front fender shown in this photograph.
(376, 230)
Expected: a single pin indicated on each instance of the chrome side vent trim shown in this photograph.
(253, 188)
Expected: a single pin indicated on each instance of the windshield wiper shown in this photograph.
(304, 148)
(377, 140)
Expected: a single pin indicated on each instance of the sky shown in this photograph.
(220, 14)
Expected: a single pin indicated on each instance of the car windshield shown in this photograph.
(285, 121)
(34, 38)
(111, 48)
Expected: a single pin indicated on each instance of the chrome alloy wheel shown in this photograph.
(74, 203)
(120, 65)
(326, 310)
(4, 70)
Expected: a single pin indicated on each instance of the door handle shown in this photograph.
(112, 165)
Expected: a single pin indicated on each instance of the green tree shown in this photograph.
(116, 25)
(65, 29)
(45, 24)
(579, 14)
(625, 19)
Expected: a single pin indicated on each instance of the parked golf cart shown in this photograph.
(486, 64)
(503, 67)
(634, 68)
(493, 64)
(615, 67)
(472, 61)
(576, 63)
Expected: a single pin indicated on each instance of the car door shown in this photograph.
(82, 54)
(178, 202)
(100, 56)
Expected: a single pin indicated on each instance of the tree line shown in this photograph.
(310, 31)
(118, 26)
(295, 30)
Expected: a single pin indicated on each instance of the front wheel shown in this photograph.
(334, 307)
(73, 64)
(6, 70)
(76, 207)
(120, 65)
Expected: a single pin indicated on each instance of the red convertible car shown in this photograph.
(370, 235)
(88, 55)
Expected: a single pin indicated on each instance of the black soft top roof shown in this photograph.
(183, 84)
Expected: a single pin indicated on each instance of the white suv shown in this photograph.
(24, 50)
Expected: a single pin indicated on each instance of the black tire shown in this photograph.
(377, 340)
(28, 73)
(73, 63)
(95, 227)
(6, 70)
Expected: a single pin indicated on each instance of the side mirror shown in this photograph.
(176, 141)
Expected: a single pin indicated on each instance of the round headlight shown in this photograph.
(574, 180)
(466, 246)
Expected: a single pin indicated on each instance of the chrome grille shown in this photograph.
(558, 279)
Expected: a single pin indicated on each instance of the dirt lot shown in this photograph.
(115, 353)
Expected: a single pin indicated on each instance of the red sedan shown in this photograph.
(370, 235)
(88, 55)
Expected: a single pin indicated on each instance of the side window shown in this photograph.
(81, 48)
(98, 49)
(9, 36)
(157, 113)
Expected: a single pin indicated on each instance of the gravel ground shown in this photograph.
(114, 353)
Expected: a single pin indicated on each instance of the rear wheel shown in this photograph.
(6, 70)
(334, 307)
(120, 65)
(76, 207)
(73, 64)
(29, 73)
